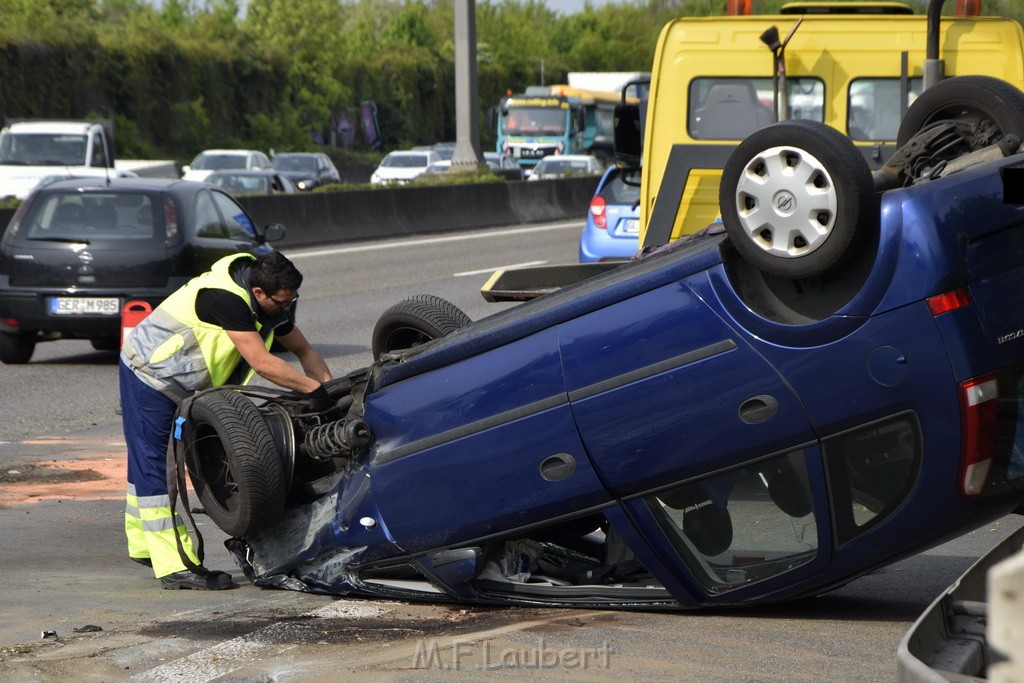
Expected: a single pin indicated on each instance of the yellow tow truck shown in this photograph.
(856, 66)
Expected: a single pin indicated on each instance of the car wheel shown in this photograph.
(234, 464)
(16, 348)
(797, 199)
(985, 110)
(415, 321)
(105, 343)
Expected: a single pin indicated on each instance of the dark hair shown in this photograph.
(273, 272)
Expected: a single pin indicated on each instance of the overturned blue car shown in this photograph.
(831, 382)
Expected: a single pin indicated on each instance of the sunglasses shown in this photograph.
(284, 304)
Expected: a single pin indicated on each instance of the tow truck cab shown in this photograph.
(712, 85)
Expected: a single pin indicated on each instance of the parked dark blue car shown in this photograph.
(690, 429)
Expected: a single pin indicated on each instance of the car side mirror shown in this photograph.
(628, 144)
(272, 232)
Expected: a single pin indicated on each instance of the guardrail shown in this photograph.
(329, 217)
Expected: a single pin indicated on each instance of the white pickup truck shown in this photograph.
(33, 150)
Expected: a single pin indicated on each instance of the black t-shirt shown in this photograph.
(224, 309)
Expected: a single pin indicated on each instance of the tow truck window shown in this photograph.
(874, 111)
(733, 108)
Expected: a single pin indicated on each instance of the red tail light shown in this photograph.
(597, 210)
(170, 219)
(978, 416)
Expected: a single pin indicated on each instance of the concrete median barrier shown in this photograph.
(329, 217)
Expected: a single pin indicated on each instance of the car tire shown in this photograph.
(234, 465)
(16, 348)
(105, 343)
(988, 103)
(415, 321)
(797, 199)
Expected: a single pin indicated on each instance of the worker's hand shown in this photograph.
(320, 400)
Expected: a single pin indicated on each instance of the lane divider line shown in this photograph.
(376, 246)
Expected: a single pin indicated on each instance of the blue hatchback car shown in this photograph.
(835, 382)
(612, 231)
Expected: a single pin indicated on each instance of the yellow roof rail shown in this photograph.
(837, 7)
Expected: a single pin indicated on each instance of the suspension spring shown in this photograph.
(334, 439)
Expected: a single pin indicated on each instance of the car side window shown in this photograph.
(237, 222)
(208, 221)
(744, 525)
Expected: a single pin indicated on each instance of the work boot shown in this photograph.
(214, 581)
(144, 561)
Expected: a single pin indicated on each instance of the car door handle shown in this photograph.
(758, 409)
(557, 466)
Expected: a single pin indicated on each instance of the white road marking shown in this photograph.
(376, 246)
(223, 658)
(491, 270)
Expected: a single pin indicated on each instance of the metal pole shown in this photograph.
(467, 154)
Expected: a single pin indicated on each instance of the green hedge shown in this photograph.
(170, 98)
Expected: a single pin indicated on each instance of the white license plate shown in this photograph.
(632, 227)
(83, 305)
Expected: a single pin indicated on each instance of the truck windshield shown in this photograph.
(534, 121)
(42, 149)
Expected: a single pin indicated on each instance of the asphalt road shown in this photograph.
(63, 564)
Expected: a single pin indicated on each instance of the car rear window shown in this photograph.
(290, 163)
(405, 161)
(615, 191)
(133, 217)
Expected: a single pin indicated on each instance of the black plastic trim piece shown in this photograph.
(472, 428)
(653, 369)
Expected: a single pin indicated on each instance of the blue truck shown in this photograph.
(556, 119)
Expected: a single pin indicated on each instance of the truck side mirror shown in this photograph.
(628, 146)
